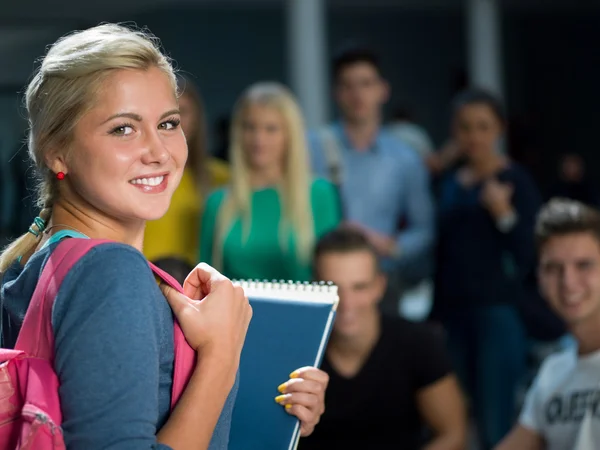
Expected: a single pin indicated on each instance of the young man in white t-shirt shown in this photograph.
(562, 409)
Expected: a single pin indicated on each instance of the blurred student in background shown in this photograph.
(561, 409)
(485, 251)
(389, 379)
(265, 223)
(383, 182)
(175, 235)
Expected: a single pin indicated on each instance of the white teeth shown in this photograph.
(155, 181)
(572, 299)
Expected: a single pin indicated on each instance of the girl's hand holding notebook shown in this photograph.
(303, 396)
(290, 327)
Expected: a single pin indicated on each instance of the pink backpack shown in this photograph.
(30, 414)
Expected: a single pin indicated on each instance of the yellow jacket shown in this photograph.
(176, 233)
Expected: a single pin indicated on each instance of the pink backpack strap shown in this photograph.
(36, 337)
(185, 356)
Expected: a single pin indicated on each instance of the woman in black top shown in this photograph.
(485, 250)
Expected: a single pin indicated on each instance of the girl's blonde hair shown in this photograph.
(294, 191)
(63, 89)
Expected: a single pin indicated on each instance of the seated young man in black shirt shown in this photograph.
(389, 378)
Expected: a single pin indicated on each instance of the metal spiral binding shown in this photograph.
(290, 290)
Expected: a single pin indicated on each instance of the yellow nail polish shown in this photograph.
(294, 374)
(288, 407)
(280, 398)
(281, 387)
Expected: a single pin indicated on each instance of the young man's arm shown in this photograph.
(438, 396)
(442, 407)
(525, 435)
(521, 438)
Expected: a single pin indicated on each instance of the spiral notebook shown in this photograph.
(290, 327)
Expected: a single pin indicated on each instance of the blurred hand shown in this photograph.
(496, 197)
(303, 396)
(450, 152)
(439, 161)
(434, 163)
(218, 323)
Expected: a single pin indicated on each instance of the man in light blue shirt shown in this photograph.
(383, 183)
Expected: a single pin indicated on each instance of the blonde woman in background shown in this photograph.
(265, 223)
(175, 235)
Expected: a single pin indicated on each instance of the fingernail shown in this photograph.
(281, 387)
(288, 407)
(280, 398)
(294, 374)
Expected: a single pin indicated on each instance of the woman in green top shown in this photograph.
(265, 223)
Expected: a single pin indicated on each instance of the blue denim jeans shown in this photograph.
(488, 345)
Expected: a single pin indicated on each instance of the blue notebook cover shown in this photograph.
(290, 327)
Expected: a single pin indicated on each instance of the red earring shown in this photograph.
(60, 175)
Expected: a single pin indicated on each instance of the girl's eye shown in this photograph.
(170, 124)
(122, 130)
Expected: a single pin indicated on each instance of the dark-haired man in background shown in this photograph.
(388, 378)
(383, 183)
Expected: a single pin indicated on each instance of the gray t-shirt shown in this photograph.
(563, 405)
(114, 348)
